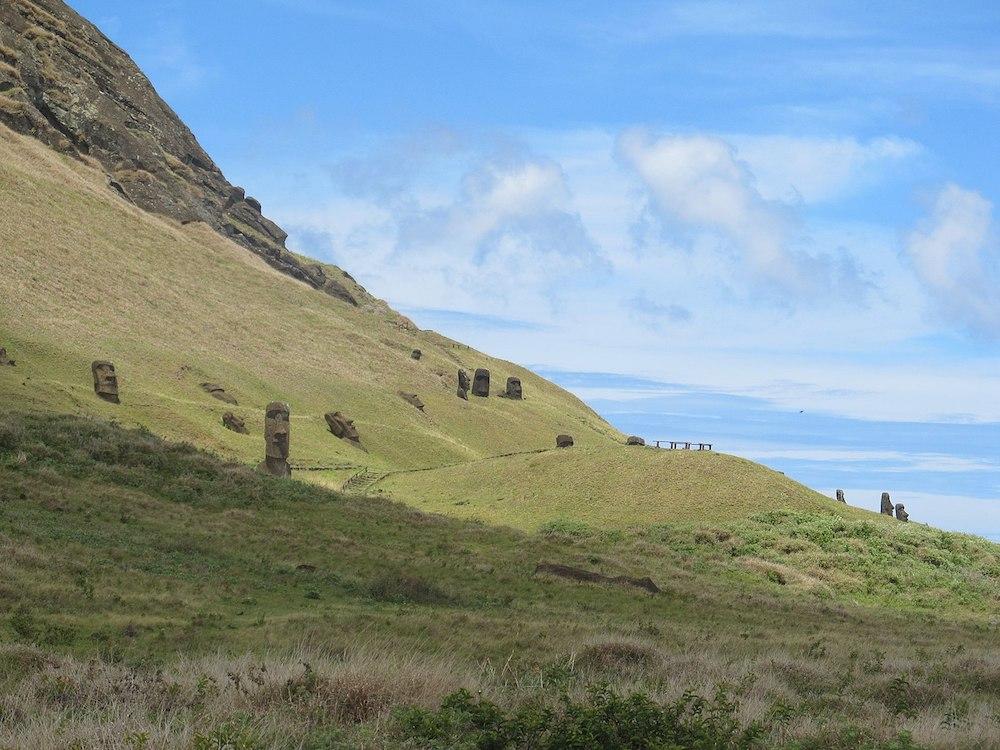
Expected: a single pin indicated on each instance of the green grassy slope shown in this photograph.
(86, 276)
(608, 487)
(150, 589)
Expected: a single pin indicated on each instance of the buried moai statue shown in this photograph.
(564, 441)
(634, 440)
(840, 496)
(231, 422)
(514, 389)
(481, 383)
(342, 427)
(219, 392)
(412, 399)
(276, 440)
(105, 381)
(901, 513)
(463, 384)
(416, 354)
(5, 361)
(886, 504)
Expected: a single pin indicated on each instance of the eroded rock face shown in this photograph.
(481, 383)
(514, 389)
(72, 88)
(564, 441)
(105, 381)
(413, 399)
(887, 507)
(840, 496)
(5, 361)
(219, 392)
(277, 437)
(634, 440)
(231, 422)
(342, 427)
(901, 513)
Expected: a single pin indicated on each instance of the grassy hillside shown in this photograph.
(153, 596)
(606, 487)
(87, 276)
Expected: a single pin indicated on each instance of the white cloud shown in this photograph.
(956, 255)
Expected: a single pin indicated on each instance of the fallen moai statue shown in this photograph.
(463, 384)
(840, 496)
(342, 427)
(277, 429)
(219, 392)
(514, 389)
(5, 361)
(231, 422)
(887, 507)
(589, 576)
(416, 354)
(634, 440)
(901, 513)
(413, 399)
(564, 441)
(105, 381)
(481, 383)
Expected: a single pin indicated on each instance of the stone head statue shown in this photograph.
(277, 433)
(901, 513)
(105, 381)
(840, 496)
(514, 388)
(481, 383)
(886, 504)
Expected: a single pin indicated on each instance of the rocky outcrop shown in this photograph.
(65, 83)
(105, 381)
(217, 391)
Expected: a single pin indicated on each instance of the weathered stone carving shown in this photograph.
(231, 422)
(342, 427)
(105, 381)
(901, 513)
(840, 496)
(219, 392)
(463, 384)
(413, 399)
(564, 441)
(481, 383)
(416, 354)
(5, 361)
(635, 440)
(277, 431)
(514, 389)
(886, 504)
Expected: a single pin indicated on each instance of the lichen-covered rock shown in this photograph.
(231, 422)
(481, 383)
(564, 441)
(105, 381)
(342, 427)
(887, 506)
(277, 438)
(634, 440)
(217, 391)
(840, 496)
(68, 85)
(413, 399)
(901, 513)
(514, 389)
(5, 361)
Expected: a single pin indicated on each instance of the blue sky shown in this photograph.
(767, 224)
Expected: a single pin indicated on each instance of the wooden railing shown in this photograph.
(682, 445)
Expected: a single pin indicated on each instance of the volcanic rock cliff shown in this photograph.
(64, 82)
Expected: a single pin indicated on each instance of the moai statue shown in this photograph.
(514, 389)
(481, 383)
(634, 440)
(342, 427)
(901, 513)
(5, 361)
(219, 392)
(886, 504)
(412, 399)
(105, 381)
(416, 354)
(463, 384)
(840, 496)
(276, 440)
(231, 422)
(564, 441)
